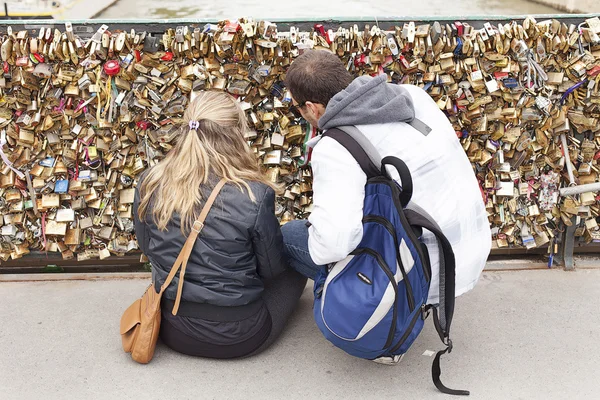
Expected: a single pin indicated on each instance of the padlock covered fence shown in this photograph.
(87, 106)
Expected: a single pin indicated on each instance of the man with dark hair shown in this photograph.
(401, 121)
(314, 78)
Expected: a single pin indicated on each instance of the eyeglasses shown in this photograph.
(295, 109)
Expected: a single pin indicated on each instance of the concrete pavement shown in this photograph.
(517, 335)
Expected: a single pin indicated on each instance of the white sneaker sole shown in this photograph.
(394, 360)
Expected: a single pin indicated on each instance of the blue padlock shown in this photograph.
(61, 186)
(510, 83)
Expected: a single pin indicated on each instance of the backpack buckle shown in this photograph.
(319, 292)
(448, 343)
(197, 227)
(425, 311)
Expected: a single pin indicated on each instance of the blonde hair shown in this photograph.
(216, 147)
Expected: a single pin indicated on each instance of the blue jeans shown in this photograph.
(295, 243)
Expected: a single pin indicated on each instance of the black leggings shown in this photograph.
(280, 297)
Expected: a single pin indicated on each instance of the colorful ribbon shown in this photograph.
(571, 90)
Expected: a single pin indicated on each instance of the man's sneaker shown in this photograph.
(393, 360)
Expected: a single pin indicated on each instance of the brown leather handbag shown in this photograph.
(140, 324)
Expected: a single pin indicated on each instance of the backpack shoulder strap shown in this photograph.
(360, 151)
(369, 159)
(417, 216)
(443, 320)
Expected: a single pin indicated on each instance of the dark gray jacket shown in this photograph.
(239, 247)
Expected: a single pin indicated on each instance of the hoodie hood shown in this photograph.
(368, 101)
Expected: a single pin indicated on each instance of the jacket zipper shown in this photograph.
(390, 276)
(408, 331)
(390, 228)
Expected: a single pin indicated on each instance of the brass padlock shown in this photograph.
(56, 228)
(73, 237)
(51, 200)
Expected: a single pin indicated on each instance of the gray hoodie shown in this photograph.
(368, 101)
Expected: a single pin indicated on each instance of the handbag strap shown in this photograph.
(184, 255)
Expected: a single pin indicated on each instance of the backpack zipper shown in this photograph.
(390, 228)
(390, 276)
(408, 331)
(419, 249)
(411, 234)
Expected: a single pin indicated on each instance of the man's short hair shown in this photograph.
(317, 76)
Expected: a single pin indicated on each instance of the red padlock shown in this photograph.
(460, 28)
(112, 68)
(359, 61)
(403, 61)
(320, 29)
(594, 71)
(232, 27)
(138, 55)
(143, 125)
(167, 57)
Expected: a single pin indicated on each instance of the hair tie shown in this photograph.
(194, 125)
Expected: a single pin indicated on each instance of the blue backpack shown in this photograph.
(373, 304)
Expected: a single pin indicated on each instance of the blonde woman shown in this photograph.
(238, 290)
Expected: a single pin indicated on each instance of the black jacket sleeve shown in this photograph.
(140, 226)
(267, 239)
